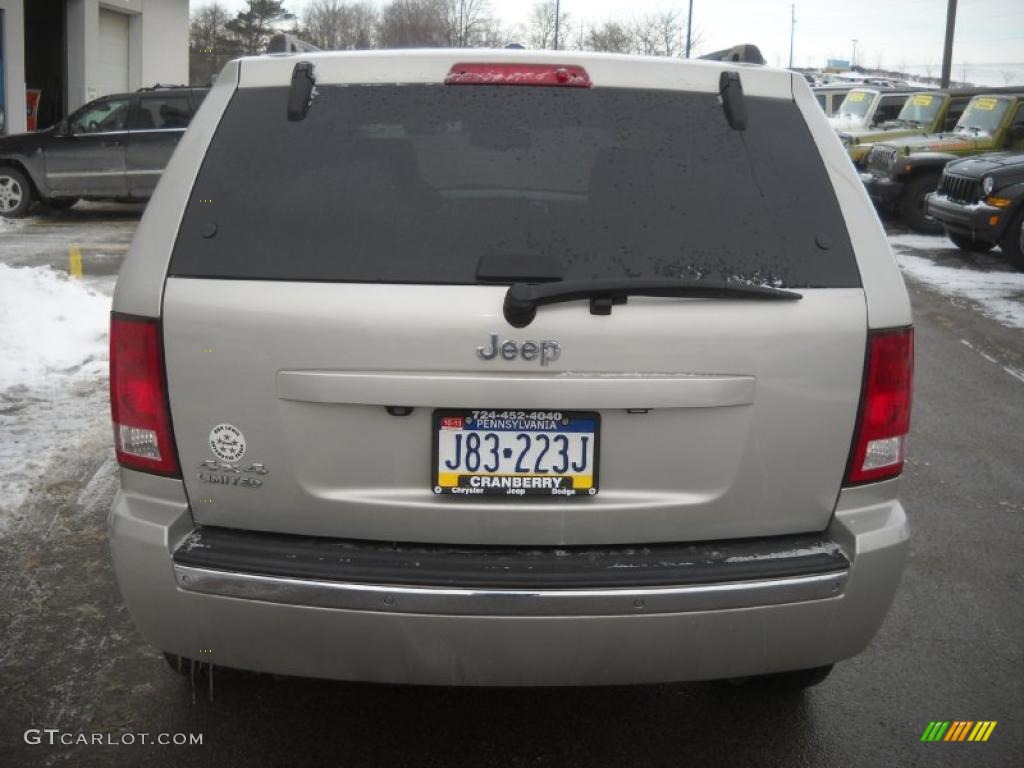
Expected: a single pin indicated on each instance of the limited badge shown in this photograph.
(227, 442)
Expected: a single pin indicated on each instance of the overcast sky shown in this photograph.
(889, 32)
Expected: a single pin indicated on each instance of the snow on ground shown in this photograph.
(50, 324)
(999, 74)
(9, 225)
(53, 372)
(998, 294)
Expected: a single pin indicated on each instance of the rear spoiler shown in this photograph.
(743, 54)
(285, 43)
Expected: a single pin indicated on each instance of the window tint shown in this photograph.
(1018, 120)
(100, 116)
(821, 100)
(889, 109)
(162, 112)
(417, 183)
(956, 109)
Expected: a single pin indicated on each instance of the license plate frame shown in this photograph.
(569, 487)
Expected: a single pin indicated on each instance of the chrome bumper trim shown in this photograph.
(389, 598)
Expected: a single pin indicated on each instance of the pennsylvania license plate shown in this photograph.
(515, 453)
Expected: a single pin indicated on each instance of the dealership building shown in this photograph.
(56, 55)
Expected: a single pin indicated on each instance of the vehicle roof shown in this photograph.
(430, 66)
(153, 89)
(983, 91)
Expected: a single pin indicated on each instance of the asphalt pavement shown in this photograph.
(952, 647)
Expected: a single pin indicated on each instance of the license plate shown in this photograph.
(515, 453)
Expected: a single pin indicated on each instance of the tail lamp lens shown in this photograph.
(143, 437)
(880, 446)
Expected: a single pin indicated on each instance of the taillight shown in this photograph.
(880, 442)
(567, 76)
(138, 396)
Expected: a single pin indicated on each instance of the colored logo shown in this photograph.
(958, 730)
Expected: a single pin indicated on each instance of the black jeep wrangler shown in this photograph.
(980, 202)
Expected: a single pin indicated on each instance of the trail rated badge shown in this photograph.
(227, 442)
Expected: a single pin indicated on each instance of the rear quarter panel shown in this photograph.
(888, 305)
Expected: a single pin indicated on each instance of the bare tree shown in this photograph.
(663, 34)
(413, 24)
(210, 46)
(339, 25)
(541, 26)
(610, 37)
(491, 34)
(468, 23)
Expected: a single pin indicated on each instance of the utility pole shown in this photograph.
(792, 31)
(689, 26)
(557, 19)
(947, 51)
(853, 56)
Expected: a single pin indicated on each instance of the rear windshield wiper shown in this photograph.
(522, 299)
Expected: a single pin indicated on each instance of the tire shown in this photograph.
(1012, 241)
(911, 204)
(965, 243)
(61, 203)
(15, 193)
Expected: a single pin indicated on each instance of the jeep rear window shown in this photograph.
(417, 183)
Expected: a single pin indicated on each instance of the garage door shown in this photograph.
(112, 59)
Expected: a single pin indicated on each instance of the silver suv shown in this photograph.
(510, 368)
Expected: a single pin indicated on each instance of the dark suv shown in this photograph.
(980, 202)
(115, 147)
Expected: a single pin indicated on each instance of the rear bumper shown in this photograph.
(971, 219)
(505, 636)
(883, 192)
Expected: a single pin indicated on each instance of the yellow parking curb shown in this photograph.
(75, 261)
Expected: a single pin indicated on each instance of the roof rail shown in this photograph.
(285, 43)
(159, 87)
(743, 54)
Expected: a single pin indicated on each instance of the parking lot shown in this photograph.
(952, 647)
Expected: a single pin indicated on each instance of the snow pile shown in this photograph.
(50, 326)
(53, 381)
(998, 294)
